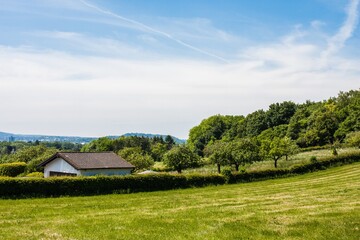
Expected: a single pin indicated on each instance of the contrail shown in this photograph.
(153, 30)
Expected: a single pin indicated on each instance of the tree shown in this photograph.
(158, 150)
(169, 142)
(280, 113)
(255, 122)
(243, 151)
(181, 157)
(278, 148)
(322, 125)
(218, 154)
(137, 157)
(209, 130)
(353, 139)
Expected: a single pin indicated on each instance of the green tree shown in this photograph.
(278, 148)
(169, 142)
(218, 154)
(137, 157)
(181, 157)
(158, 150)
(322, 125)
(255, 123)
(243, 151)
(209, 130)
(353, 139)
(280, 113)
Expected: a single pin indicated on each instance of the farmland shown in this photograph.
(320, 205)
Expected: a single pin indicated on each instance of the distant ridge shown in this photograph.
(4, 136)
(149, 135)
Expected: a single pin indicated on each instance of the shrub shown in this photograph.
(12, 169)
(35, 174)
(313, 159)
(226, 172)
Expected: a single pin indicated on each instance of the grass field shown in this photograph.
(320, 205)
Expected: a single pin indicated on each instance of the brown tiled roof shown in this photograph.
(91, 160)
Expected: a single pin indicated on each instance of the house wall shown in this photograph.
(59, 165)
(93, 172)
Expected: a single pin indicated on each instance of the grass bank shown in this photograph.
(320, 205)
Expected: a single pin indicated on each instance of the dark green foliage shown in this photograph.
(12, 169)
(209, 130)
(313, 159)
(280, 113)
(255, 123)
(30, 187)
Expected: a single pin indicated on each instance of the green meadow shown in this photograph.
(320, 205)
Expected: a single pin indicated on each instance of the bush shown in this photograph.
(35, 174)
(313, 159)
(226, 172)
(12, 169)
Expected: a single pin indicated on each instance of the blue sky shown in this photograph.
(95, 68)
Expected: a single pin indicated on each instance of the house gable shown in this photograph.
(59, 165)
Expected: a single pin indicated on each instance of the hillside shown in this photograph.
(320, 205)
(4, 136)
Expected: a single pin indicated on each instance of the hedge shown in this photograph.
(77, 186)
(12, 169)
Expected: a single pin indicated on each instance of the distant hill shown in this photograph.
(4, 136)
(149, 135)
(43, 138)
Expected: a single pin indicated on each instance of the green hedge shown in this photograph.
(12, 169)
(67, 186)
(77, 186)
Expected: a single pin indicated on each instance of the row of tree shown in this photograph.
(308, 124)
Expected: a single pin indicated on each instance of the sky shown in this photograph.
(108, 67)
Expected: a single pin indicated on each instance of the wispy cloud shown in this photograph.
(148, 28)
(337, 42)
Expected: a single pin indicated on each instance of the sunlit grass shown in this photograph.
(321, 205)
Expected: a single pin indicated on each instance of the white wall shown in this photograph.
(59, 165)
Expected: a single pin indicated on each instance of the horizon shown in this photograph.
(102, 68)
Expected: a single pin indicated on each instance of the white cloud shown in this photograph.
(336, 42)
(116, 95)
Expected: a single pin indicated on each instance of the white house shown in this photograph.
(85, 164)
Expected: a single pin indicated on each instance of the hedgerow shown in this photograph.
(77, 186)
(12, 169)
(66, 186)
